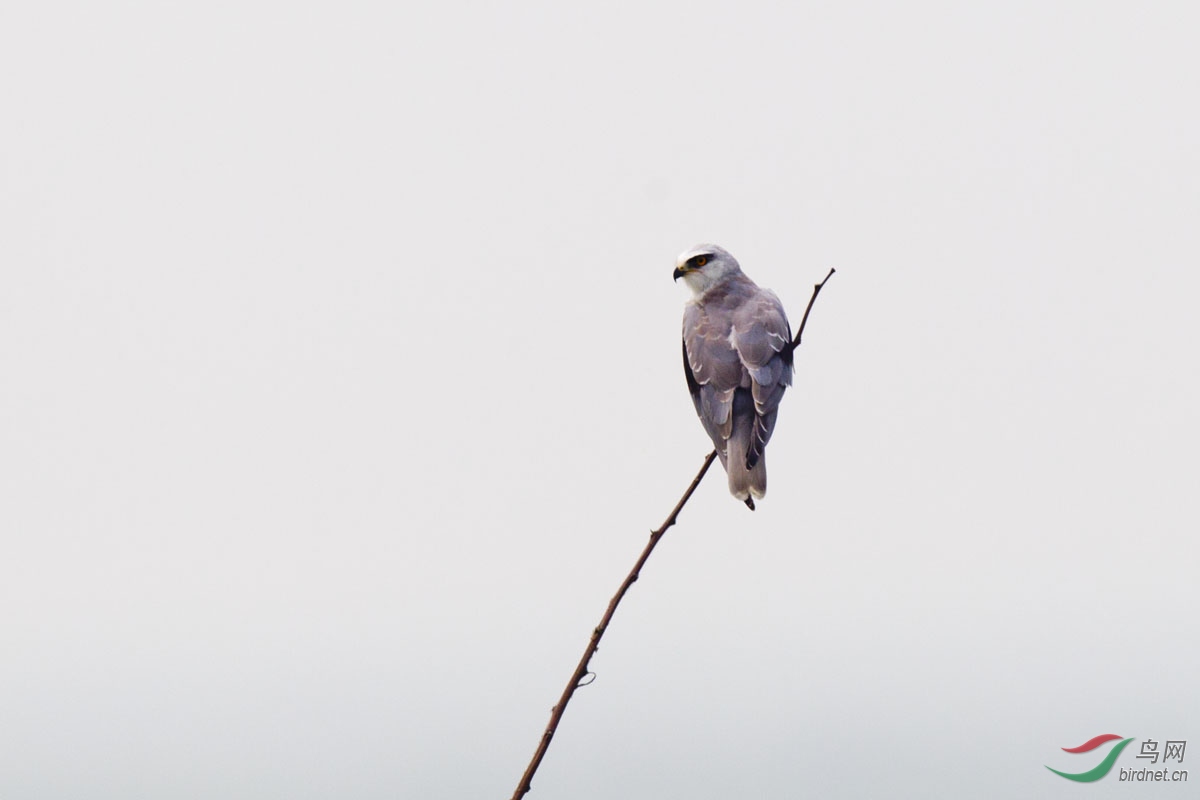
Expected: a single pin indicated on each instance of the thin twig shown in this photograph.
(581, 671)
(804, 320)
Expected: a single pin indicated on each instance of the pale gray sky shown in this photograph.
(342, 386)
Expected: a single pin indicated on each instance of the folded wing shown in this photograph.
(762, 339)
(714, 371)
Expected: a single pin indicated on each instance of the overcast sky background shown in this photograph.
(342, 385)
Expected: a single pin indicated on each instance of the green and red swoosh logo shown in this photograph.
(1100, 770)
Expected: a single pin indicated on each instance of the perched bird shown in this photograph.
(737, 357)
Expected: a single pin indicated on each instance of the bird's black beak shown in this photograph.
(678, 273)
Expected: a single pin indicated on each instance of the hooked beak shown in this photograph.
(679, 273)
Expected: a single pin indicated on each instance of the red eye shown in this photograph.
(701, 261)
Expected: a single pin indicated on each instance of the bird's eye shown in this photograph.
(701, 261)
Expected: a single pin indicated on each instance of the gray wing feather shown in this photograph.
(714, 372)
(762, 338)
(706, 339)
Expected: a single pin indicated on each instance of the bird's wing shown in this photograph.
(762, 339)
(713, 369)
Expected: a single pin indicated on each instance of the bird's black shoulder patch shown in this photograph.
(787, 353)
(693, 387)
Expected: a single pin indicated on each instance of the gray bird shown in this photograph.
(737, 357)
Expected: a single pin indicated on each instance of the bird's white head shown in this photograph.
(704, 266)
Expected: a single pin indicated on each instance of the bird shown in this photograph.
(737, 358)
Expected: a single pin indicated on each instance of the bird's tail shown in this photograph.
(745, 483)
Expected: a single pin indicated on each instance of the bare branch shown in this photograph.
(804, 320)
(581, 671)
